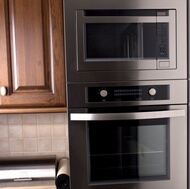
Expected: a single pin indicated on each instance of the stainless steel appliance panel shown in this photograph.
(31, 168)
(123, 43)
(177, 44)
(80, 165)
(177, 93)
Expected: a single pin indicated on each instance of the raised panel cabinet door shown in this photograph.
(32, 53)
(4, 40)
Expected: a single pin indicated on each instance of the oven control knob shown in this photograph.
(103, 93)
(152, 91)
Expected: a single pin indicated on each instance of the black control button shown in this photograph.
(162, 50)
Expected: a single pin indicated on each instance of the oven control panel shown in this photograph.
(128, 93)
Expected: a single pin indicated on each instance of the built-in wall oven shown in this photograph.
(131, 135)
(127, 93)
(130, 40)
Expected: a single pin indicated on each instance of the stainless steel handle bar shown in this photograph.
(126, 116)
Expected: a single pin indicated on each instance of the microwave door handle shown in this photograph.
(126, 116)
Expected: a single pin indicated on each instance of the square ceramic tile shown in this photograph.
(16, 145)
(3, 131)
(29, 131)
(3, 119)
(45, 144)
(29, 119)
(15, 131)
(67, 154)
(59, 144)
(44, 118)
(66, 130)
(3, 185)
(35, 153)
(14, 154)
(47, 153)
(44, 131)
(4, 155)
(66, 118)
(60, 155)
(4, 145)
(14, 119)
(58, 130)
(67, 143)
(30, 144)
(58, 118)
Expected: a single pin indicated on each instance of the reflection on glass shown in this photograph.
(149, 142)
(126, 40)
(132, 41)
(128, 150)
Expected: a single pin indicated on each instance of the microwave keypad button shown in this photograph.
(162, 50)
(103, 93)
(152, 91)
(164, 64)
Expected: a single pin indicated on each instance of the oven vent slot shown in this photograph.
(141, 12)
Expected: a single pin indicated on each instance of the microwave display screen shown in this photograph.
(127, 40)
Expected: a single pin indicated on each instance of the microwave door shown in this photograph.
(114, 43)
(122, 42)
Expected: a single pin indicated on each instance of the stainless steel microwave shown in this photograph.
(116, 42)
(132, 39)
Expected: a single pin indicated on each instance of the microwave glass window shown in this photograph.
(126, 40)
(128, 150)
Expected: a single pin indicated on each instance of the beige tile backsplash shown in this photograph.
(34, 134)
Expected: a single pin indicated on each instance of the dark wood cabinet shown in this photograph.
(32, 56)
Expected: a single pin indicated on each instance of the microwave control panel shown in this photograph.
(128, 93)
(163, 40)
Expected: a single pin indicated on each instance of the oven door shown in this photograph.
(118, 40)
(137, 147)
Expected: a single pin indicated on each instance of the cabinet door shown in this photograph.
(32, 53)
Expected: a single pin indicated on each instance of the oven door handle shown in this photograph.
(126, 116)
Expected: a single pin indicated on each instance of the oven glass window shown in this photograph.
(126, 40)
(128, 151)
